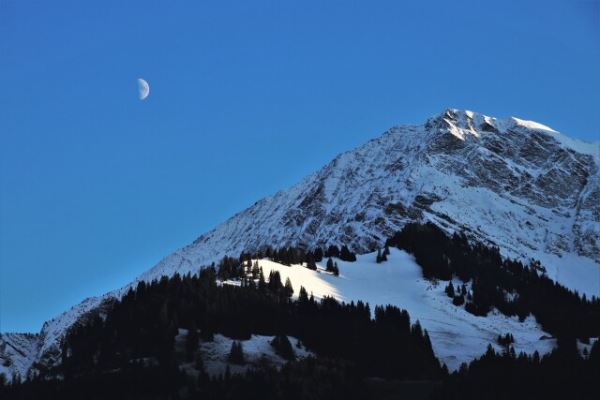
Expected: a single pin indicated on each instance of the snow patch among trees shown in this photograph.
(456, 335)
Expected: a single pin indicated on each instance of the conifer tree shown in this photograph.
(288, 289)
(310, 261)
(318, 254)
(458, 300)
(536, 357)
(283, 347)
(386, 250)
(490, 353)
(236, 354)
(329, 265)
(274, 284)
(302, 295)
(255, 270)
(262, 284)
(346, 254)
(191, 342)
(332, 251)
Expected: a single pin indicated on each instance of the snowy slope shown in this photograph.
(456, 335)
(18, 351)
(257, 350)
(530, 190)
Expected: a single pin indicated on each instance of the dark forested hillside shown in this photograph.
(135, 340)
(563, 374)
(129, 350)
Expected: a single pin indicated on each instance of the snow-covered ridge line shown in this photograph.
(473, 123)
(520, 185)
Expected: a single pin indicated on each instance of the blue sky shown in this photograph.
(246, 98)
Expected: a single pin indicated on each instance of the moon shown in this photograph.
(143, 88)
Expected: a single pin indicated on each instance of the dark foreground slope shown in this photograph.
(130, 349)
(131, 353)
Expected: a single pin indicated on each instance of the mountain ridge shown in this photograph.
(304, 202)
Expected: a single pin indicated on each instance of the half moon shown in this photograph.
(143, 88)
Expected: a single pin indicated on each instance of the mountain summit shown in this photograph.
(516, 184)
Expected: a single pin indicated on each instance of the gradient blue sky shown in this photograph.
(246, 98)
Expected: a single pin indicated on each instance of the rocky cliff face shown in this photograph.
(517, 184)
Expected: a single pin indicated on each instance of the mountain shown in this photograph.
(516, 184)
(519, 184)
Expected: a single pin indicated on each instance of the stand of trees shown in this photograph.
(331, 266)
(137, 335)
(503, 376)
(562, 374)
(283, 347)
(505, 340)
(312, 378)
(232, 268)
(559, 310)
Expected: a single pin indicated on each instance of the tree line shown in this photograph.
(561, 374)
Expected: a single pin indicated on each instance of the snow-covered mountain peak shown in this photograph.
(462, 123)
(466, 124)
